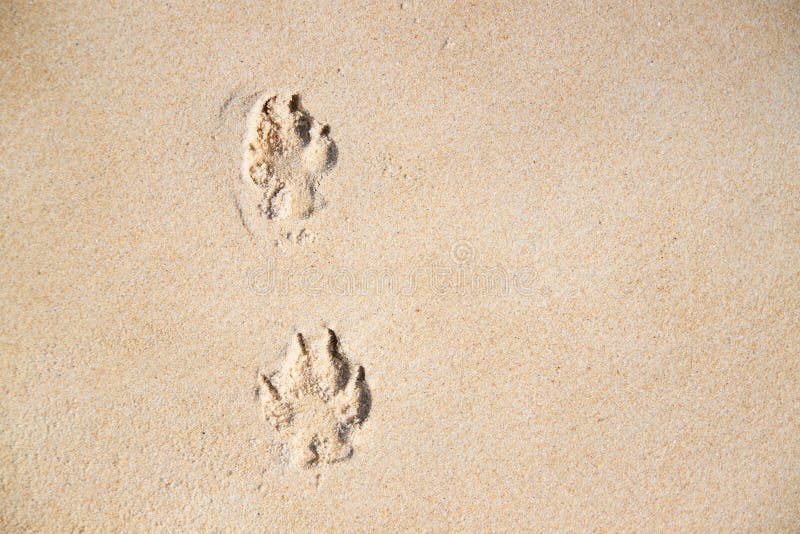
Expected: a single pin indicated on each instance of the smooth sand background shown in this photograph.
(635, 166)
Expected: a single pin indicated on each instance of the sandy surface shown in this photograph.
(584, 223)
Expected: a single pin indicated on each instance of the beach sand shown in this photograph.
(557, 246)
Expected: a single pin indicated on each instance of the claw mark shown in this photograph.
(242, 219)
(226, 104)
(314, 402)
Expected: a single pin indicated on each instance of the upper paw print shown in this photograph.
(286, 154)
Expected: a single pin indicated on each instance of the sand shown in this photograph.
(557, 245)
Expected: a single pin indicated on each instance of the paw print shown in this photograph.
(286, 154)
(314, 402)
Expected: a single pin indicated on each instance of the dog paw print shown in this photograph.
(286, 154)
(315, 402)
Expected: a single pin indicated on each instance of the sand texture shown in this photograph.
(399, 266)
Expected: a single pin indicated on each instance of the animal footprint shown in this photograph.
(314, 402)
(286, 154)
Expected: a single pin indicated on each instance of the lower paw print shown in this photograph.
(315, 402)
(286, 154)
